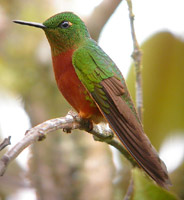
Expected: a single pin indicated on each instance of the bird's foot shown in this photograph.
(88, 124)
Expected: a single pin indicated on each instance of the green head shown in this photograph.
(64, 31)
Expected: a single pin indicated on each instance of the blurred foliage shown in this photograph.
(144, 189)
(74, 166)
(163, 94)
(62, 166)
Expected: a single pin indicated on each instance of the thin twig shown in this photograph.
(5, 143)
(137, 56)
(130, 189)
(69, 122)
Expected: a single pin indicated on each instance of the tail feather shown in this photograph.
(130, 132)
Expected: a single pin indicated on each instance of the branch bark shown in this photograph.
(70, 122)
(101, 14)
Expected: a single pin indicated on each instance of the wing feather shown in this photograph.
(106, 86)
(130, 132)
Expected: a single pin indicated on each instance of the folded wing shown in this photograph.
(106, 86)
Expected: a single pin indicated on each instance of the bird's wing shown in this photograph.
(106, 86)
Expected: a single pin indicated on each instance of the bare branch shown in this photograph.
(137, 56)
(5, 143)
(69, 122)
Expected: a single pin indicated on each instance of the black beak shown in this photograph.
(38, 25)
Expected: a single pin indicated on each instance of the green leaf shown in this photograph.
(145, 189)
(163, 86)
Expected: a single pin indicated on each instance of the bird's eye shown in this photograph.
(65, 24)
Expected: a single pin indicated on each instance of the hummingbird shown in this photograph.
(94, 86)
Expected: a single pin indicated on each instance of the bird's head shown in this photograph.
(64, 31)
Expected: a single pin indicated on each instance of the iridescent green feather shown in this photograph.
(92, 66)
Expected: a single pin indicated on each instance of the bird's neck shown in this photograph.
(61, 49)
(61, 43)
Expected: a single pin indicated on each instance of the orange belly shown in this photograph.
(72, 88)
